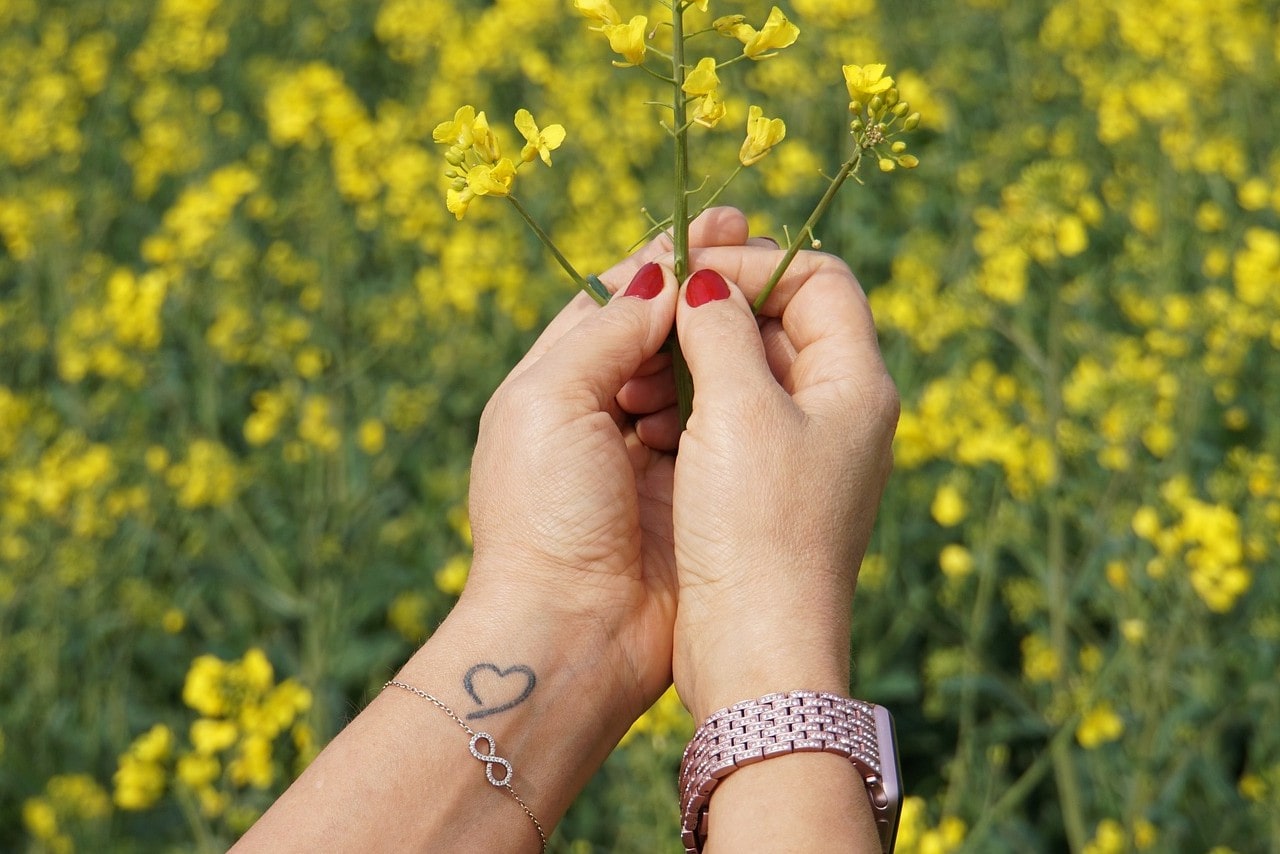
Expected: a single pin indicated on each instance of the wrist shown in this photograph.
(548, 696)
(750, 667)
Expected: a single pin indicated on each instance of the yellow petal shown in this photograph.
(776, 34)
(703, 79)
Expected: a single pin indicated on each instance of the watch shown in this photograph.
(793, 722)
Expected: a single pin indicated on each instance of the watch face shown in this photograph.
(887, 802)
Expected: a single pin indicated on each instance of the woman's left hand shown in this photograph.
(570, 511)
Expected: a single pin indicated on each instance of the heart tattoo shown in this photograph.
(516, 682)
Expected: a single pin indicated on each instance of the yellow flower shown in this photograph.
(762, 135)
(1098, 726)
(459, 131)
(452, 577)
(40, 818)
(864, 82)
(710, 110)
(138, 784)
(538, 143)
(153, 745)
(457, 201)
(212, 736)
(600, 11)
(371, 436)
(407, 614)
(702, 80)
(484, 142)
(956, 561)
(629, 40)
(197, 770)
(494, 180)
(734, 27)
(776, 34)
(948, 506)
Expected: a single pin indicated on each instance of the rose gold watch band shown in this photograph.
(794, 722)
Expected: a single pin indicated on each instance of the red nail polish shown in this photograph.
(647, 282)
(705, 286)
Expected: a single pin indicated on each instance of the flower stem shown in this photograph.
(596, 292)
(680, 201)
(806, 231)
(711, 200)
(680, 212)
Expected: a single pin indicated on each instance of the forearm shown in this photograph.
(401, 776)
(793, 802)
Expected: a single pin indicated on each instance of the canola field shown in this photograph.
(244, 346)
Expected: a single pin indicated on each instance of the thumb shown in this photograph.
(601, 353)
(721, 342)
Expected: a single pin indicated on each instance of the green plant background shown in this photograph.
(243, 350)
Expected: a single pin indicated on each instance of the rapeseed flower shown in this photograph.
(776, 34)
(865, 82)
(628, 39)
(538, 143)
(1099, 725)
(600, 11)
(762, 135)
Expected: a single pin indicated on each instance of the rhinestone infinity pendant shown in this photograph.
(490, 759)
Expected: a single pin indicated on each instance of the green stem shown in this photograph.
(711, 200)
(806, 232)
(680, 202)
(1066, 777)
(578, 279)
(680, 211)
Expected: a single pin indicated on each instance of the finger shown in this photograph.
(816, 298)
(763, 242)
(778, 350)
(661, 430)
(719, 226)
(751, 267)
(644, 395)
(721, 342)
(654, 365)
(593, 360)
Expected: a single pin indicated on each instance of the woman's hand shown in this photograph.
(570, 511)
(563, 634)
(777, 483)
(778, 477)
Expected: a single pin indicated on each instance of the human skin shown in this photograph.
(777, 482)
(588, 531)
(573, 579)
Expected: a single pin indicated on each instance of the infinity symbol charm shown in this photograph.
(490, 759)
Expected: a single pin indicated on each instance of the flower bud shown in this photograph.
(856, 125)
(901, 108)
(891, 97)
(908, 161)
(887, 165)
(453, 156)
(459, 184)
(912, 122)
(898, 147)
(876, 106)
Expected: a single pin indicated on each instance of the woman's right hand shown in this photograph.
(778, 477)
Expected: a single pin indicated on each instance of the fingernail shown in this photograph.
(647, 282)
(705, 286)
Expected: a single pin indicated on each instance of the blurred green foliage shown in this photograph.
(244, 347)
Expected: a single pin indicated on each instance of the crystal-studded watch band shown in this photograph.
(794, 722)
